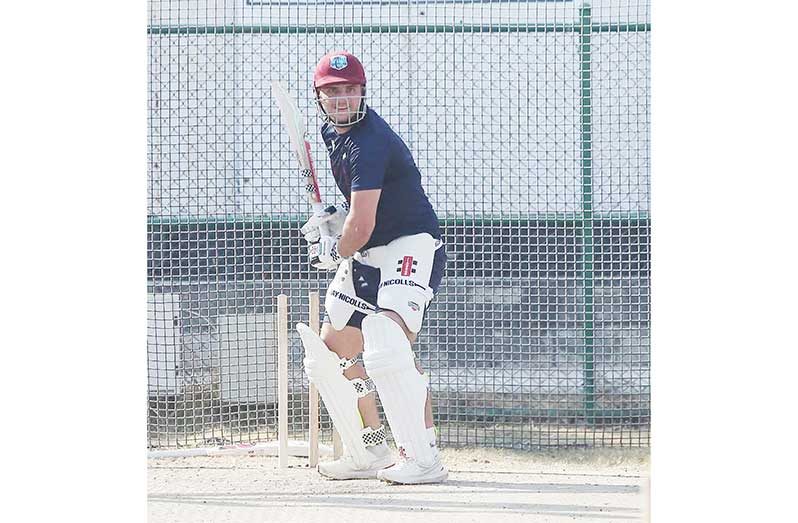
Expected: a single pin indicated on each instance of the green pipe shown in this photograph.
(462, 28)
(553, 414)
(561, 220)
(587, 206)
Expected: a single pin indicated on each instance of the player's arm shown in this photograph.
(360, 222)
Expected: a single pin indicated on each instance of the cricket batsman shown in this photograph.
(385, 247)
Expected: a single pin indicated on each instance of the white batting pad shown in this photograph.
(389, 362)
(323, 368)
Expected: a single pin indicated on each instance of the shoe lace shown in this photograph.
(403, 455)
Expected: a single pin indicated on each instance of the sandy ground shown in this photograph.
(606, 485)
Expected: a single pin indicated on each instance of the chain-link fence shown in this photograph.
(529, 122)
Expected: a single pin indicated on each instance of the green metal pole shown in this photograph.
(291, 220)
(587, 205)
(462, 28)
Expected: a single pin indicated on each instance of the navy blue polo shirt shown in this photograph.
(372, 156)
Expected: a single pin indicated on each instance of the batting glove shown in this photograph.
(328, 222)
(323, 254)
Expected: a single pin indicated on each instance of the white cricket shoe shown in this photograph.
(408, 471)
(345, 468)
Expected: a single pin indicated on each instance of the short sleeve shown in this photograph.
(327, 136)
(369, 161)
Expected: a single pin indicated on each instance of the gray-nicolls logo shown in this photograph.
(406, 266)
(348, 299)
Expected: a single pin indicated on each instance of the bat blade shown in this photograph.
(293, 122)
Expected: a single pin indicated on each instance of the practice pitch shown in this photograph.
(483, 485)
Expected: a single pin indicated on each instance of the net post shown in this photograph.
(586, 112)
(282, 380)
(313, 434)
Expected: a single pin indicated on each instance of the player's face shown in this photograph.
(341, 102)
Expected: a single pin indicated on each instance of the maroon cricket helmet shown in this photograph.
(338, 67)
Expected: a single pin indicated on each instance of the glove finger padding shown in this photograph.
(311, 230)
(329, 222)
(323, 255)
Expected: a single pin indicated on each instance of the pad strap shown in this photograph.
(363, 387)
(346, 363)
(374, 437)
